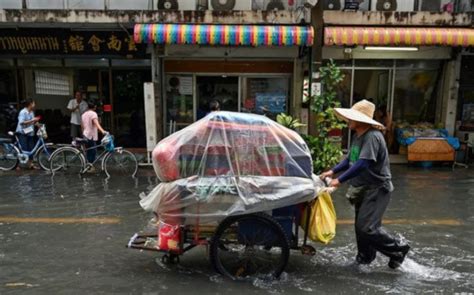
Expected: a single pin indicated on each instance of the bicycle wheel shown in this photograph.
(120, 162)
(67, 160)
(8, 156)
(249, 246)
(43, 156)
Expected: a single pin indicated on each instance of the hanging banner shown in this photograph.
(67, 42)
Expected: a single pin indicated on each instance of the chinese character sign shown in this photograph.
(66, 42)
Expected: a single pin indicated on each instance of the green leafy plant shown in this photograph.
(324, 151)
(289, 122)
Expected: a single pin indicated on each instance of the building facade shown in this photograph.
(405, 56)
(262, 75)
(411, 58)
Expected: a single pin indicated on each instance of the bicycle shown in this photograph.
(11, 152)
(114, 160)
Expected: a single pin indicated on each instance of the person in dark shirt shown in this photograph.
(367, 170)
(215, 106)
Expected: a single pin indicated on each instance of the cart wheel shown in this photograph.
(248, 246)
(170, 259)
(174, 259)
(165, 259)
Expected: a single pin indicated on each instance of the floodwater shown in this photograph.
(433, 209)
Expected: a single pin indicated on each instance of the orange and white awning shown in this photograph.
(381, 36)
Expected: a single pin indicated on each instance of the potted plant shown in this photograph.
(325, 151)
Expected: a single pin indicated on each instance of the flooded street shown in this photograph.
(68, 235)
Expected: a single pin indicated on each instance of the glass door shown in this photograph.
(128, 108)
(374, 85)
(265, 95)
(224, 89)
(179, 102)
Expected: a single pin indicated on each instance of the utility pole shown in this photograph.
(316, 61)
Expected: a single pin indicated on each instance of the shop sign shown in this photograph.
(67, 42)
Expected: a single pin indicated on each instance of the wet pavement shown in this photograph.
(67, 236)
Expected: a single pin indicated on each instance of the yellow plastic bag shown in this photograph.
(322, 219)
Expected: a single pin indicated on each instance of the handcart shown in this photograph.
(240, 246)
(237, 184)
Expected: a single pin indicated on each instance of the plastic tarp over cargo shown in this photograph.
(229, 164)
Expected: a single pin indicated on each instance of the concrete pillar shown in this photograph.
(450, 92)
(298, 77)
(316, 58)
(156, 76)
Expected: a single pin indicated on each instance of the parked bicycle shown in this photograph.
(11, 152)
(113, 160)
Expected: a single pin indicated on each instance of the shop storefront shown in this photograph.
(239, 86)
(256, 69)
(408, 82)
(49, 65)
(465, 110)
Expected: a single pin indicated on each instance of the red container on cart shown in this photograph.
(169, 237)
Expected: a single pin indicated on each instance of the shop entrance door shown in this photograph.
(375, 85)
(128, 107)
(224, 89)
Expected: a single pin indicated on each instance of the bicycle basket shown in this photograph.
(42, 132)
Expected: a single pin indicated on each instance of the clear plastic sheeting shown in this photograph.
(229, 164)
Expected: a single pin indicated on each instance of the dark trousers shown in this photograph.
(92, 152)
(27, 143)
(370, 235)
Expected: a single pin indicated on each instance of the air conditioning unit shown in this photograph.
(176, 5)
(361, 5)
(393, 5)
(228, 5)
(430, 5)
(270, 5)
(365, 5)
(333, 4)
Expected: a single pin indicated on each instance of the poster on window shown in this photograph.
(186, 85)
(270, 102)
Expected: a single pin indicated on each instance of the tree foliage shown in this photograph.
(326, 153)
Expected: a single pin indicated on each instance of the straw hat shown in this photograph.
(363, 111)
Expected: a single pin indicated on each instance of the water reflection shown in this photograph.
(441, 260)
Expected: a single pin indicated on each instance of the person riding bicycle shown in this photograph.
(26, 127)
(90, 128)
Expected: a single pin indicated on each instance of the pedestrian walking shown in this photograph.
(25, 128)
(90, 128)
(77, 106)
(367, 170)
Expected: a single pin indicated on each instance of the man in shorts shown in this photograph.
(77, 106)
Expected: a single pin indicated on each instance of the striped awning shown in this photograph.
(245, 35)
(381, 36)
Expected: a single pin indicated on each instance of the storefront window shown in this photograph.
(129, 113)
(7, 87)
(224, 89)
(415, 96)
(7, 101)
(50, 4)
(267, 96)
(179, 102)
(10, 4)
(379, 63)
(465, 112)
(343, 93)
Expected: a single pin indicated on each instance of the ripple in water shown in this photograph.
(431, 274)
